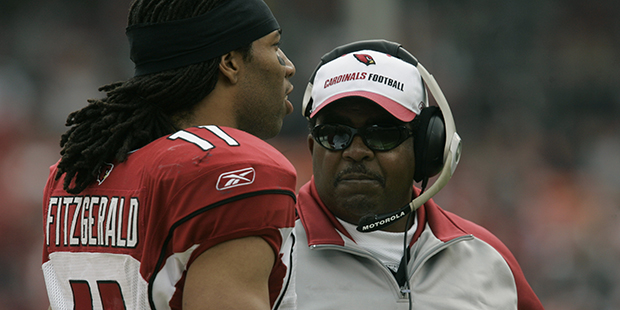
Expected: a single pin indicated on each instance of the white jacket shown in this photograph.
(455, 264)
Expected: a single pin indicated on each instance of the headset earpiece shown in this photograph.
(429, 142)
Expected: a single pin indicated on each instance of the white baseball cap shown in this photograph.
(392, 83)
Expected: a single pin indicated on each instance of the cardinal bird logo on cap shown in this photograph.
(365, 59)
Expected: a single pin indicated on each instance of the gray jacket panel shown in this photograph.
(464, 273)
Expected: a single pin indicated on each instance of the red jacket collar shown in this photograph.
(322, 227)
(320, 224)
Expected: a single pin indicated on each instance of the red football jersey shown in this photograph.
(128, 239)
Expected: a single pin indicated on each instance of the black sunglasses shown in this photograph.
(337, 137)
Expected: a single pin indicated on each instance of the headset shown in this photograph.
(437, 145)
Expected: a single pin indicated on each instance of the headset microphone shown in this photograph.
(452, 155)
(374, 222)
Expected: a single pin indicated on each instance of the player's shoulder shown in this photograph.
(210, 139)
(227, 160)
(211, 146)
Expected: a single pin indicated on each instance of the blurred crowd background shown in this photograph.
(534, 86)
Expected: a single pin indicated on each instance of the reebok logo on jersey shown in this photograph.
(235, 178)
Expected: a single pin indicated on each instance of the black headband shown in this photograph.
(163, 46)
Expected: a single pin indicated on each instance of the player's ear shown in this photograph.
(230, 64)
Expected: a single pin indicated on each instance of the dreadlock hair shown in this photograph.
(139, 110)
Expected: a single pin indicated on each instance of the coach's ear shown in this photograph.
(230, 65)
(311, 144)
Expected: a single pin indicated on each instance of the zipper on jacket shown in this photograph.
(402, 290)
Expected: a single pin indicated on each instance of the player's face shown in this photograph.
(358, 181)
(265, 87)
